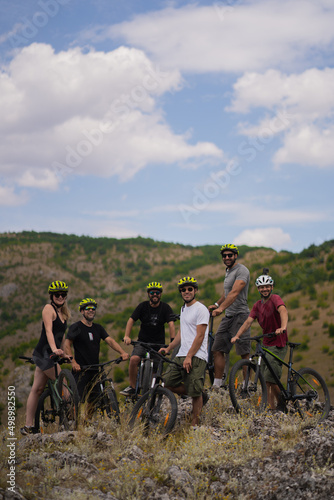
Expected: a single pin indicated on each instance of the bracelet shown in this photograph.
(216, 304)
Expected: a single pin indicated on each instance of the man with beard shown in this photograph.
(85, 336)
(234, 302)
(272, 316)
(193, 353)
(153, 315)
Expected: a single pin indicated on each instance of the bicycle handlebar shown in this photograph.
(55, 357)
(98, 365)
(267, 335)
(156, 353)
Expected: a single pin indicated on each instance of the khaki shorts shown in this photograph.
(274, 362)
(227, 329)
(193, 381)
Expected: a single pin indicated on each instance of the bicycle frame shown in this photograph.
(261, 353)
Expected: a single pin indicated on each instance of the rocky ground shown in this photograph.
(304, 471)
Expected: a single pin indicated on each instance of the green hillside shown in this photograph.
(116, 272)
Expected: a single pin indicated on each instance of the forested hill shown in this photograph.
(116, 272)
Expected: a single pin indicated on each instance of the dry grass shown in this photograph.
(102, 457)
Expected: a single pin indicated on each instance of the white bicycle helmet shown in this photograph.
(264, 279)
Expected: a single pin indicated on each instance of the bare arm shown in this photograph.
(219, 301)
(128, 329)
(68, 351)
(283, 312)
(236, 289)
(114, 345)
(171, 326)
(173, 344)
(242, 329)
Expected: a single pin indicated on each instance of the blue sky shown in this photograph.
(197, 123)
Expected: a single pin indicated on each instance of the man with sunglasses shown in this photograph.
(193, 353)
(153, 314)
(85, 337)
(234, 302)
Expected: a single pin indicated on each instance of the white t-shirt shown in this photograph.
(191, 316)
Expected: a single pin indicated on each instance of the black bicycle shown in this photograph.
(145, 369)
(306, 392)
(157, 408)
(57, 407)
(210, 367)
(105, 398)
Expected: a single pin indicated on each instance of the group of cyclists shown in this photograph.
(81, 345)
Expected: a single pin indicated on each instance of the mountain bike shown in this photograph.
(145, 369)
(105, 398)
(57, 407)
(210, 368)
(306, 392)
(157, 408)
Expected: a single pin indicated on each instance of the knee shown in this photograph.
(134, 360)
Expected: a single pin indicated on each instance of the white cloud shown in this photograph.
(300, 107)
(245, 36)
(9, 198)
(273, 237)
(307, 145)
(79, 109)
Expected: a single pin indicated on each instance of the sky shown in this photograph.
(187, 122)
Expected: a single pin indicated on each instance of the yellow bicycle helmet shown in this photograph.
(155, 285)
(87, 302)
(58, 286)
(229, 246)
(187, 280)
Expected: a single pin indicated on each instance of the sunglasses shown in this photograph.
(152, 292)
(62, 294)
(187, 289)
(92, 308)
(228, 255)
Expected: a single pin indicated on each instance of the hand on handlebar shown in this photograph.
(234, 339)
(125, 356)
(127, 340)
(279, 331)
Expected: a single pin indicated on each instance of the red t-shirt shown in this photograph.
(269, 319)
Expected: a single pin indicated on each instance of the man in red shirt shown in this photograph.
(272, 316)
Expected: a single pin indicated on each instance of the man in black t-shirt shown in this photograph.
(85, 337)
(153, 315)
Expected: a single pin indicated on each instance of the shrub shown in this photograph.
(293, 303)
(315, 314)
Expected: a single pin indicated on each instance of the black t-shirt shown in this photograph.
(153, 321)
(86, 342)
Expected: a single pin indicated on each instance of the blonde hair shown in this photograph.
(65, 312)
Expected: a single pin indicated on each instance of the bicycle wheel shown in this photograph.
(67, 389)
(110, 403)
(315, 405)
(157, 410)
(46, 417)
(247, 394)
(146, 377)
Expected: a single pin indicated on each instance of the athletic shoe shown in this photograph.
(129, 391)
(28, 430)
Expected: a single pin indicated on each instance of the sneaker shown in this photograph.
(215, 388)
(28, 430)
(205, 397)
(129, 391)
